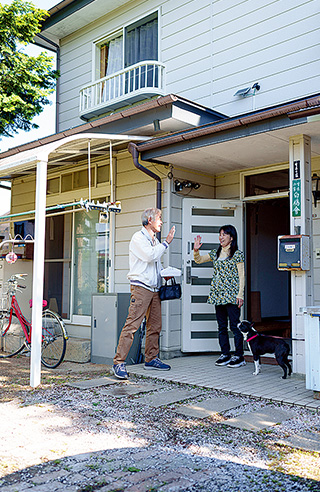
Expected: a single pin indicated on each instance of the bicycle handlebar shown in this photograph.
(21, 286)
(17, 276)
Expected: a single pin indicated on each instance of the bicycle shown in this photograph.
(15, 329)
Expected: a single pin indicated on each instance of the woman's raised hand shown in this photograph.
(197, 243)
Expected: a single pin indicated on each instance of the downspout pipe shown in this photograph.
(135, 155)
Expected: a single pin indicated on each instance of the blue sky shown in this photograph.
(46, 120)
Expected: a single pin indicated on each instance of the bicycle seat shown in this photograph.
(44, 303)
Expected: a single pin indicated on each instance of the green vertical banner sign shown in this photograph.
(296, 198)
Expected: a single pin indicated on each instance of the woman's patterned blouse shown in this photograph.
(225, 279)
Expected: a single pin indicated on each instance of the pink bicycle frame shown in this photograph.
(26, 325)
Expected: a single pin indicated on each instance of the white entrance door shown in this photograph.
(203, 217)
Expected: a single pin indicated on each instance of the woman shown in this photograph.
(226, 291)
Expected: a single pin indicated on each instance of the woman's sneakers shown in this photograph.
(234, 361)
(237, 361)
(223, 360)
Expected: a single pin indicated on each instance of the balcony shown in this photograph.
(135, 83)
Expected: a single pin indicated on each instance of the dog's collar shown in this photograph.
(251, 338)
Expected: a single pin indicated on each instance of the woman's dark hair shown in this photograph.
(229, 229)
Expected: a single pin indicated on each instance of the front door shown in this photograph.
(203, 217)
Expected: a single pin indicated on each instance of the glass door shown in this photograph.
(91, 261)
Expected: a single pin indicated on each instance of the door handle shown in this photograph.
(189, 277)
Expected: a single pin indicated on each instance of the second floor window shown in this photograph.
(136, 43)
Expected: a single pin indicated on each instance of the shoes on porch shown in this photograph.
(223, 360)
(237, 361)
(157, 364)
(120, 371)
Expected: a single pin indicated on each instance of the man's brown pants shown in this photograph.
(143, 303)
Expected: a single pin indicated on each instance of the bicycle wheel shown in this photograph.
(54, 340)
(12, 337)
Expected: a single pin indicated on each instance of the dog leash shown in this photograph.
(251, 338)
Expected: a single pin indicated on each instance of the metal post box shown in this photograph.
(293, 252)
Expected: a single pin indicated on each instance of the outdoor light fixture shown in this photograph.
(248, 91)
(180, 185)
(315, 188)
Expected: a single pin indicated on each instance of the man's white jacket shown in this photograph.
(144, 259)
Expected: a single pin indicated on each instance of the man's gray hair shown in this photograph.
(149, 213)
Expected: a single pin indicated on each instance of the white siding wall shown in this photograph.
(211, 49)
(275, 43)
(316, 239)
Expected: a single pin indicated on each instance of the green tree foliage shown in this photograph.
(25, 81)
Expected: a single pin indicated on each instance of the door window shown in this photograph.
(91, 260)
(57, 263)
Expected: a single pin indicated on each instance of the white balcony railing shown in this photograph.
(144, 79)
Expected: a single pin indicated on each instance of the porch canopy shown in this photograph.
(38, 160)
(255, 139)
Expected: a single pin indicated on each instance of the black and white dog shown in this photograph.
(264, 344)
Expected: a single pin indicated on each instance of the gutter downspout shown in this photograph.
(135, 155)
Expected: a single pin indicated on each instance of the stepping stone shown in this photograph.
(206, 408)
(167, 397)
(260, 419)
(127, 389)
(306, 440)
(93, 383)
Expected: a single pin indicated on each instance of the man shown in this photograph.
(145, 252)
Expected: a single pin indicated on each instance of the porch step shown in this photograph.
(78, 350)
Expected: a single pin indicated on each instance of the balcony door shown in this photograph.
(136, 42)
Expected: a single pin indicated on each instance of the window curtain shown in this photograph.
(141, 44)
(114, 88)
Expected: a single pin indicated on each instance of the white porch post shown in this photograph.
(300, 223)
(38, 273)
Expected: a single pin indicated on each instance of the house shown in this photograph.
(220, 103)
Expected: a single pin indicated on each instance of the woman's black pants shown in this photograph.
(223, 312)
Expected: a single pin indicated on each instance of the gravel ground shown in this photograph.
(57, 437)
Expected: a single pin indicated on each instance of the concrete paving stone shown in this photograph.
(176, 486)
(307, 440)
(46, 477)
(166, 397)
(138, 477)
(260, 419)
(78, 478)
(16, 487)
(128, 389)
(208, 407)
(93, 383)
(168, 476)
(113, 486)
(49, 487)
(143, 487)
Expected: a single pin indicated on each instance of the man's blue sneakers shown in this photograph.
(120, 371)
(157, 364)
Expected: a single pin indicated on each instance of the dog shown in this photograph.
(264, 344)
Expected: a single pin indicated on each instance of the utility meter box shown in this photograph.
(294, 252)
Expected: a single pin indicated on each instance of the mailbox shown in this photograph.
(293, 252)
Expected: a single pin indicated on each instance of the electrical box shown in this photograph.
(294, 252)
(109, 313)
